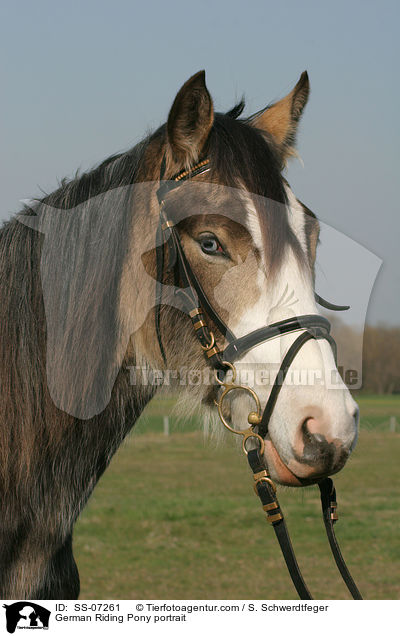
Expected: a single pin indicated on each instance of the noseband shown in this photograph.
(195, 303)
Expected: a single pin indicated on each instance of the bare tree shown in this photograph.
(380, 348)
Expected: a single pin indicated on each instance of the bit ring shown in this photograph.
(211, 344)
(232, 368)
(249, 432)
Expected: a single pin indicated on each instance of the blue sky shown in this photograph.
(82, 80)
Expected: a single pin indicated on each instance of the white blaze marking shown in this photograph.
(290, 294)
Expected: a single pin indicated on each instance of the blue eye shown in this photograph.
(211, 245)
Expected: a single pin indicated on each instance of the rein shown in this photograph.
(312, 326)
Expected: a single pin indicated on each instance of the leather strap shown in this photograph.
(329, 513)
(270, 503)
(325, 303)
(279, 380)
(188, 287)
(239, 346)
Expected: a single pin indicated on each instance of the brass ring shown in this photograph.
(228, 389)
(250, 433)
(209, 346)
(232, 368)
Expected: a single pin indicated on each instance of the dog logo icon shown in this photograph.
(26, 615)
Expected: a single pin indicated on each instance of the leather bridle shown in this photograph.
(195, 303)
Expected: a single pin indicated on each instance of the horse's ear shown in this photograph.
(190, 121)
(281, 119)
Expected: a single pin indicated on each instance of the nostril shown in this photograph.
(314, 423)
(316, 448)
(311, 433)
(311, 430)
(323, 439)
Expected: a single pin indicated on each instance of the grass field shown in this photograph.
(175, 518)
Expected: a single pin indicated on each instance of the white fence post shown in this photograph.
(166, 424)
(392, 424)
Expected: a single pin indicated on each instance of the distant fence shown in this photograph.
(164, 425)
(378, 423)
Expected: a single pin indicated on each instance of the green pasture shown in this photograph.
(175, 517)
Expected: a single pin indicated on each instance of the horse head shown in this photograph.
(251, 244)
